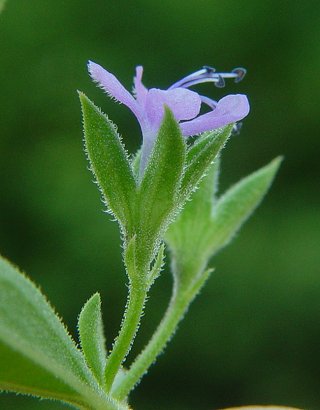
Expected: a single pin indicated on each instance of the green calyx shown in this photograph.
(145, 205)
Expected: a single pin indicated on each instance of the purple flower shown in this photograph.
(148, 104)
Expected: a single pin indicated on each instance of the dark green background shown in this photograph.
(253, 335)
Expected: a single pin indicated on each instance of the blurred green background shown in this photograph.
(253, 335)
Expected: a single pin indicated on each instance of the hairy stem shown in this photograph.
(129, 328)
(178, 306)
(155, 346)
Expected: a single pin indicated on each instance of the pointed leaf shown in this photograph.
(201, 155)
(205, 225)
(37, 356)
(161, 181)
(92, 337)
(109, 161)
(238, 203)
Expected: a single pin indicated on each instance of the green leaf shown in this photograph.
(206, 224)
(162, 178)
(201, 155)
(37, 356)
(109, 162)
(92, 337)
(238, 203)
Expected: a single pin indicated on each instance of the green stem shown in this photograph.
(129, 327)
(178, 305)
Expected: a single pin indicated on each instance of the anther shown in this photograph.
(209, 69)
(240, 72)
(220, 83)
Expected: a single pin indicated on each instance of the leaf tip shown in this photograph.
(272, 168)
(93, 301)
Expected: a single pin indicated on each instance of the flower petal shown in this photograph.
(229, 109)
(112, 86)
(185, 104)
(139, 89)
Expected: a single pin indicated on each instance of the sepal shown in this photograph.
(109, 162)
(160, 185)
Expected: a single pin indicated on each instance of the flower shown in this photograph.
(148, 104)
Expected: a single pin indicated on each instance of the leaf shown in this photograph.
(162, 177)
(206, 224)
(201, 155)
(161, 181)
(109, 162)
(92, 337)
(37, 356)
(238, 203)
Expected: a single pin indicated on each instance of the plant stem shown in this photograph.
(181, 298)
(129, 327)
(155, 346)
(178, 305)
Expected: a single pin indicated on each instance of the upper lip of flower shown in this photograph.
(148, 104)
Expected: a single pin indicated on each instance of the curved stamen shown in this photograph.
(203, 72)
(209, 74)
(201, 80)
